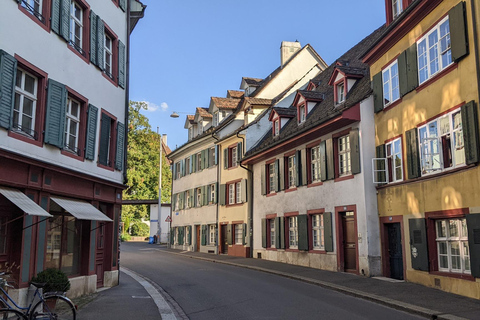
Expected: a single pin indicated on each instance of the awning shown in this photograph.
(23, 202)
(81, 210)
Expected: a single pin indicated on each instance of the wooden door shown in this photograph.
(395, 254)
(349, 241)
(197, 236)
(224, 239)
(100, 254)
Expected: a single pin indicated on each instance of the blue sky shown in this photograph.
(184, 52)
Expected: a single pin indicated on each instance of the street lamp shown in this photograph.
(160, 190)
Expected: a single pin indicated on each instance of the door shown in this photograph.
(224, 239)
(197, 237)
(349, 241)
(395, 254)
(100, 255)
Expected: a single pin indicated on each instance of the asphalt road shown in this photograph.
(207, 290)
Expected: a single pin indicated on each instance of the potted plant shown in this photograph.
(55, 280)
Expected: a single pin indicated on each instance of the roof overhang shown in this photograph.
(137, 12)
(81, 210)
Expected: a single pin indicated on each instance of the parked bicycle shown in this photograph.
(47, 306)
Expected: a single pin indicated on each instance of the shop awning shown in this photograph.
(81, 210)
(23, 202)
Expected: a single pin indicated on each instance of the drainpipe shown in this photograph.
(217, 238)
(475, 43)
(249, 199)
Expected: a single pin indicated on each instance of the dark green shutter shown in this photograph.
(473, 226)
(205, 195)
(243, 190)
(91, 136)
(276, 178)
(418, 244)
(330, 160)
(263, 181)
(458, 31)
(225, 158)
(174, 172)
(244, 241)
(377, 86)
(413, 159)
(93, 37)
(304, 168)
(174, 201)
(191, 165)
(281, 174)
(280, 233)
(216, 193)
(264, 233)
(120, 152)
(180, 236)
(239, 151)
(8, 73)
(298, 168)
(402, 73)
(229, 234)
(65, 20)
(123, 4)
(55, 118)
(205, 159)
(121, 64)
(189, 235)
(328, 231)
(105, 128)
(217, 148)
(194, 163)
(221, 198)
(380, 153)
(355, 151)
(323, 160)
(204, 235)
(55, 19)
(100, 43)
(172, 236)
(302, 224)
(470, 132)
(209, 191)
(412, 68)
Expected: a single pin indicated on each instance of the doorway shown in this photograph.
(197, 237)
(394, 250)
(347, 242)
(224, 239)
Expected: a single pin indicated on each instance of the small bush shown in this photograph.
(56, 280)
(139, 229)
(125, 237)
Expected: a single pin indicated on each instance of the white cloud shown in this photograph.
(164, 106)
(152, 107)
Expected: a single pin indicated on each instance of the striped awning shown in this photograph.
(23, 202)
(81, 210)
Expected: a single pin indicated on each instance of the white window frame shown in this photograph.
(302, 113)
(211, 157)
(377, 164)
(108, 56)
(199, 161)
(340, 92)
(292, 173)
(21, 94)
(234, 156)
(187, 235)
(434, 52)
(199, 197)
(211, 232)
(215, 118)
(272, 233)
(293, 232)
(231, 193)
(178, 170)
(74, 21)
(315, 163)
(35, 7)
(271, 176)
(188, 205)
(238, 192)
(318, 235)
(276, 127)
(391, 84)
(444, 237)
(187, 165)
(397, 8)
(70, 119)
(393, 149)
(238, 233)
(344, 158)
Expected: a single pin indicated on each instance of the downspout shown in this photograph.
(217, 238)
(249, 199)
(475, 43)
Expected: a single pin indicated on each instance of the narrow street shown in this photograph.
(207, 290)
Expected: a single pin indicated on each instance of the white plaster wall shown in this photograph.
(310, 106)
(232, 126)
(155, 222)
(49, 52)
(350, 83)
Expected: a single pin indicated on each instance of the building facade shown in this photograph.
(62, 137)
(425, 75)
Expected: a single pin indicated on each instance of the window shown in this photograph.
(315, 161)
(441, 143)
(187, 235)
(199, 161)
(293, 233)
(178, 170)
(231, 193)
(340, 92)
(238, 192)
(292, 171)
(108, 54)
(238, 233)
(272, 175)
(272, 232)
(188, 200)
(24, 109)
(394, 158)
(187, 165)
(199, 197)
(434, 51)
(76, 26)
(302, 114)
(72, 125)
(234, 157)
(452, 246)
(177, 202)
(106, 147)
(176, 235)
(35, 7)
(234, 192)
(391, 88)
(276, 127)
(397, 8)
(211, 234)
(3, 235)
(211, 157)
(317, 232)
(212, 193)
(344, 161)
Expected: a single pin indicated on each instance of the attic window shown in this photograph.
(276, 127)
(397, 8)
(340, 92)
(302, 113)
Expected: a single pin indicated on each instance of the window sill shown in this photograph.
(72, 155)
(109, 79)
(317, 251)
(343, 178)
(315, 184)
(462, 276)
(105, 167)
(234, 204)
(78, 53)
(392, 105)
(25, 138)
(290, 189)
(271, 249)
(292, 250)
(437, 76)
(271, 194)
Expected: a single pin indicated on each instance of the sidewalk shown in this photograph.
(405, 296)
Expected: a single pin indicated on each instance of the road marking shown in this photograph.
(163, 307)
(141, 297)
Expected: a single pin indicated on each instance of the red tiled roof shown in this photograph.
(225, 103)
(203, 112)
(235, 94)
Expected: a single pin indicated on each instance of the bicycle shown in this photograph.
(50, 305)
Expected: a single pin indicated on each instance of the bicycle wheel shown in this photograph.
(10, 314)
(53, 308)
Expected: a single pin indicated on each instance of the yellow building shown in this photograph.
(425, 75)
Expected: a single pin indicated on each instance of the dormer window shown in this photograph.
(340, 92)
(302, 114)
(215, 119)
(276, 127)
(397, 8)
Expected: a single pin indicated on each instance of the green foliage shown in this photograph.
(56, 280)
(143, 154)
(125, 237)
(140, 229)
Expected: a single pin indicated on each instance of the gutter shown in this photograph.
(475, 43)
(127, 95)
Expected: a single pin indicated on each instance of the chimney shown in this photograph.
(164, 139)
(287, 50)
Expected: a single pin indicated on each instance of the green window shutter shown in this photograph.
(458, 31)
(304, 168)
(189, 235)
(205, 195)
(194, 203)
(191, 164)
(217, 149)
(65, 20)
(380, 153)
(93, 38)
(418, 244)
(244, 242)
(56, 14)
(91, 136)
(263, 180)
(243, 192)
(377, 86)
(298, 168)
(413, 159)
(473, 227)
(264, 233)
(323, 160)
(207, 158)
(239, 151)
(8, 73)
(172, 236)
(55, 117)
(216, 193)
(121, 64)
(281, 174)
(105, 127)
(209, 191)
(330, 160)
(412, 67)
(225, 158)
(174, 200)
(192, 198)
(194, 163)
(204, 159)
(403, 73)
(280, 235)
(355, 151)
(100, 43)
(470, 132)
(229, 234)
(123, 5)
(174, 172)
(328, 231)
(302, 221)
(221, 198)
(180, 236)
(204, 235)
(120, 152)
(276, 179)
(202, 163)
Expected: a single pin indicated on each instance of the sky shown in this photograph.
(184, 52)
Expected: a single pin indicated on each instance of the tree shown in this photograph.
(143, 154)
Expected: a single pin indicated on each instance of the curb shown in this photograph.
(403, 306)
